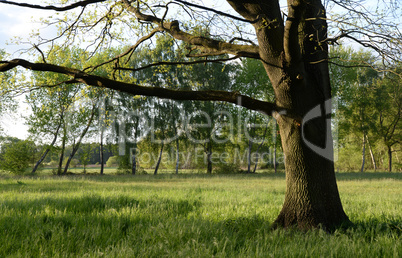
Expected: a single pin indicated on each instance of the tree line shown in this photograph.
(145, 132)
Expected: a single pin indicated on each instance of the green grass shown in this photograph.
(188, 216)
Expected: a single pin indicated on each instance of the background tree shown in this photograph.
(8, 79)
(359, 106)
(84, 156)
(388, 105)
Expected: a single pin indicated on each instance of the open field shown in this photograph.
(188, 215)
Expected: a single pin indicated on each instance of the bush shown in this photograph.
(112, 161)
(53, 164)
(227, 168)
(17, 156)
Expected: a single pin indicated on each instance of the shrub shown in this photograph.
(17, 156)
(112, 161)
(227, 168)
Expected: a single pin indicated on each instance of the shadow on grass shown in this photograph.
(368, 175)
(372, 228)
(93, 203)
(149, 177)
(93, 222)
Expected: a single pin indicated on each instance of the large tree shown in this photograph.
(293, 51)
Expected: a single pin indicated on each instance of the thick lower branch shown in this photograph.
(135, 89)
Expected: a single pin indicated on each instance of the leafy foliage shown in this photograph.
(17, 155)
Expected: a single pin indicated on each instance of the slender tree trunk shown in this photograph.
(134, 153)
(101, 153)
(77, 145)
(75, 148)
(47, 149)
(389, 158)
(258, 149)
(256, 162)
(134, 160)
(159, 160)
(363, 153)
(177, 156)
(250, 145)
(63, 147)
(372, 154)
(209, 157)
(275, 142)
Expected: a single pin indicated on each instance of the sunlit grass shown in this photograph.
(188, 215)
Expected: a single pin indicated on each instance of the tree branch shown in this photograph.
(54, 8)
(135, 89)
(177, 63)
(291, 33)
(130, 50)
(212, 45)
(217, 12)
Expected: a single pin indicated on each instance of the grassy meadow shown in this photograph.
(188, 215)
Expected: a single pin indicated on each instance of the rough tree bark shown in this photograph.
(294, 57)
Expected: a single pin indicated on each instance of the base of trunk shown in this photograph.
(310, 219)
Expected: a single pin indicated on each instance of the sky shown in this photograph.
(16, 22)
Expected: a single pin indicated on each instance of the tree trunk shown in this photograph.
(134, 160)
(209, 157)
(134, 157)
(47, 149)
(102, 156)
(295, 56)
(363, 153)
(63, 147)
(159, 160)
(275, 140)
(372, 154)
(256, 162)
(389, 158)
(312, 197)
(177, 156)
(250, 145)
(77, 146)
(258, 149)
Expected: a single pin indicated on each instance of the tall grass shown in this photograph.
(188, 215)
